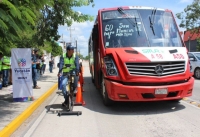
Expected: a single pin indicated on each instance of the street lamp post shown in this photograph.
(189, 42)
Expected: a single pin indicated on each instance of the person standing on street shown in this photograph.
(34, 69)
(5, 69)
(51, 63)
(44, 58)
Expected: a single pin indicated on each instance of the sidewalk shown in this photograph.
(10, 111)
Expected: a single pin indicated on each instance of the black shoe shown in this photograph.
(36, 87)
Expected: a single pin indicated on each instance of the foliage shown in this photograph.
(198, 44)
(87, 58)
(16, 16)
(56, 49)
(80, 55)
(6, 48)
(47, 46)
(34, 24)
(190, 18)
(59, 13)
(27, 40)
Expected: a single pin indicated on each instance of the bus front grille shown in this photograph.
(156, 68)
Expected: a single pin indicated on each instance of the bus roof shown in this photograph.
(132, 7)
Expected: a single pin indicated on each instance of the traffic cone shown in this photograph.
(80, 79)
(79, 97)
(81, 82)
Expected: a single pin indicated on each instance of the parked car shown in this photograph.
(195, 63)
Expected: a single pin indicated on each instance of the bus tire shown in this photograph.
(106, 100)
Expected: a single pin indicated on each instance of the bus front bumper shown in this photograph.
(119, 92)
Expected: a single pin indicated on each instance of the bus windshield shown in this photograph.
(139, 28)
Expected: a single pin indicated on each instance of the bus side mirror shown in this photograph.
(95, 32)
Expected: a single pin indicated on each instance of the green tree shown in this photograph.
(198, 44)
(59, 13)
(16, 16)
(56, 49)
(35, 23)
(190, 18)
(80, 55)
(87, 58)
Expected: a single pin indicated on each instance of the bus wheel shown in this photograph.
(197, 73)
(106, 100)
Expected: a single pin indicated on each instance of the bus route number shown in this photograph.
(156, 56)
(108, 30)
(178, 56)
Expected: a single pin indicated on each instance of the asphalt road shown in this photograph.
(152, 119)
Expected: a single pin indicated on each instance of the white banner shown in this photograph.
(22, 73)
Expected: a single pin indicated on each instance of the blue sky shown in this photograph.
(81, 31)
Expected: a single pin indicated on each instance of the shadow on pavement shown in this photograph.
(45, 78)
(94, 102)
(59, 93)
(6, 107)
(56, 106)
(6, 97)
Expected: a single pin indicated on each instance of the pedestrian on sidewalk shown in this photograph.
(51, 63)
(34, 70)
(44, 57)
(5, 69)
(1, 55)
(10, 74)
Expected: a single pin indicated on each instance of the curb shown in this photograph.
(12, 126)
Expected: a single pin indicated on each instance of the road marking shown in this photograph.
(185, 98)
(192, 102)
(13, 125)
(39, 119)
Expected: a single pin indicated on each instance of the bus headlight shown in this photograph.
(110, 66)
(112, 72)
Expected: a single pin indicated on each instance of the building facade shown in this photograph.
(190, 41)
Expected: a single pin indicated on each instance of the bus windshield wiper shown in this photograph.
(121, 11)
(137, 26)
(151, 20)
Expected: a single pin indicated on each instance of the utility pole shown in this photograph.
(70, 29)
(63, 42)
